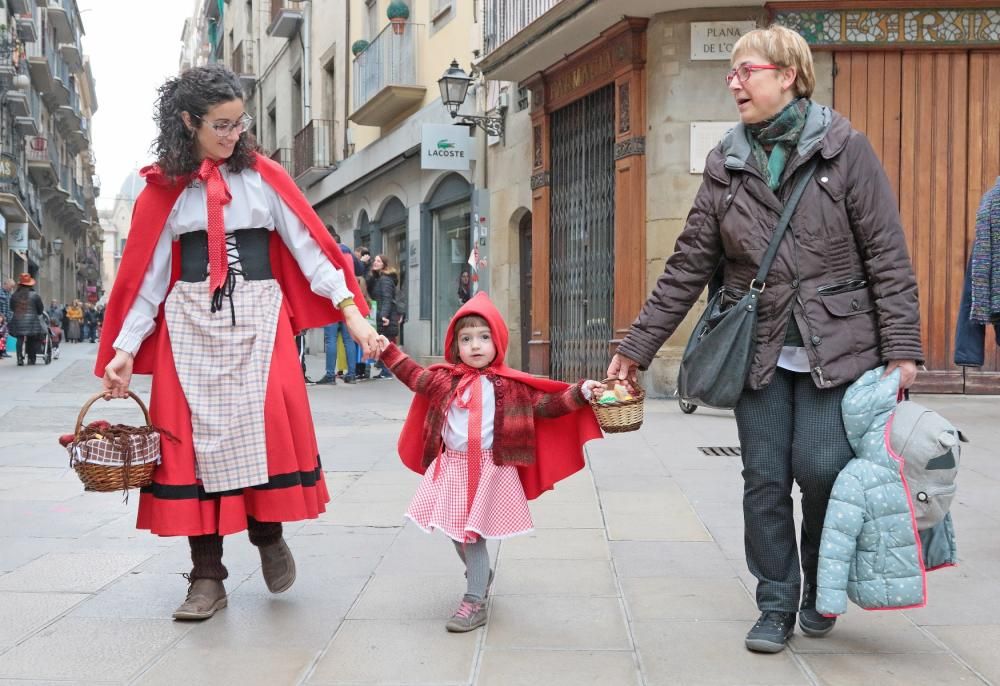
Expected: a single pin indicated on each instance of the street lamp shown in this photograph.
(454, 87)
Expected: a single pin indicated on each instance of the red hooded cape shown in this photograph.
(558, 442)
(306, 309)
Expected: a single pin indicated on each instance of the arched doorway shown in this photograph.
(524, 258)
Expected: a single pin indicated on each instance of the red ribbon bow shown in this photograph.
(218, 195)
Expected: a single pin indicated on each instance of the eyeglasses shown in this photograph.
(745, 71)
(223, 127)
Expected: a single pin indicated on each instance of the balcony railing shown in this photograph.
(283, 156)
(313, 153)
(385, 76)
(504, 19)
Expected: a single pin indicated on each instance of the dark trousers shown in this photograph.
(206, 551)
(789, 431)
(27, 346)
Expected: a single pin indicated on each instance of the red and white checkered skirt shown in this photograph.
(499, 509)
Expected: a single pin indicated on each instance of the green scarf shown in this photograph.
(780, 133)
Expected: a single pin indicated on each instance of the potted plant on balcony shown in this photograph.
(398, 13)
(359, 46)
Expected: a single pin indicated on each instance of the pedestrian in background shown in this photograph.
(90, 322)
(483, 459)
(55, 313)
(6, 288)
(25, 325)
(3, 337)
(332, 331)
(227, 382)
(841, 299)
(382, 286)
(74, 322)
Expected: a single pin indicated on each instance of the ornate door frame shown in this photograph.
(617, 57)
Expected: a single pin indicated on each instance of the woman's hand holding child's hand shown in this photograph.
(361, 331)
(589, 387)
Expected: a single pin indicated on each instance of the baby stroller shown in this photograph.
(47, 345)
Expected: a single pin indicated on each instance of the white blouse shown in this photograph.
(456, 427)
(254, 205)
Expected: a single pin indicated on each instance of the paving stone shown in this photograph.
(409, 597)
(670, 558)
(859, 631)
(889, 670)
(71, 572)
(709, 653)
(89, 649)
(555, 578)
(953, 597)
(209, 664)
(663, 516)
(557, 544)
(23, 613)
(141, 595)
(688, 599)
(381, 513)
(551, 622)
(397, 652)
(977, 645)
(500, 667)
(554, 514)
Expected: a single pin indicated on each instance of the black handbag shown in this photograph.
(717, 357)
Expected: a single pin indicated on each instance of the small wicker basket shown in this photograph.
(622, 415)
(117, 459)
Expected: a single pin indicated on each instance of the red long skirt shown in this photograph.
(175, 504)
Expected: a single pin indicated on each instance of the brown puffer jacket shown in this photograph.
(842, 269)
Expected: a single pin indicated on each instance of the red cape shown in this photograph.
(558, 442)
(306, 309)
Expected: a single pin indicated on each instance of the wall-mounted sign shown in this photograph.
(899, 26)
(705, 135)
(444, 146)
(17, 238)
(714, 40)
(8, 169)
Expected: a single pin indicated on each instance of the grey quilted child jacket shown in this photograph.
(871, 550)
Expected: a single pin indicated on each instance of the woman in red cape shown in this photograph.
(225, 262)
(487, 439)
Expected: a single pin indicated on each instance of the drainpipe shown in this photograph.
(307, 64)
(347, 77)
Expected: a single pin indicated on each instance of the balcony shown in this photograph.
(41, 162)
(504, 19)
(59, 19)
(244, 67)
(71, 54)
(286, 17)
(27, 31)
(283, 156)
(19, 6)
(26, 126)
(16, 102)
(385, 77)
(313, 152)
(60, 93)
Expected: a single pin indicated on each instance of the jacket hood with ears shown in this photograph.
(481, 305)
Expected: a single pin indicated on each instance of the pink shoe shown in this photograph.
(469, 615)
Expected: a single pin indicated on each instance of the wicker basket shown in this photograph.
(125, 459)
(622, 415)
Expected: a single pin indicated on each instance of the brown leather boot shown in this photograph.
(277, 566)
(204, 597)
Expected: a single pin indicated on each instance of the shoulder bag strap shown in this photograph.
(779, 231)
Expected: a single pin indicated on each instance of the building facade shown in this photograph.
(49, 186)
(624, 100)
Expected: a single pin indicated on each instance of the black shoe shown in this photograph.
(309, 382)
(20, 362)
(328, 379)
(812, 622)
(771, 632)
(350, 379)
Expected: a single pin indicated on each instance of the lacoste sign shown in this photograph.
(444, 146)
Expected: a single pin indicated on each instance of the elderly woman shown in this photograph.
(841, 298)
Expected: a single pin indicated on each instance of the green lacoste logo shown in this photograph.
(445, 144)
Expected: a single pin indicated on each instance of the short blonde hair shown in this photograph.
(784, 48)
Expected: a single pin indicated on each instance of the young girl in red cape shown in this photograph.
(225, 262)
(487, 438)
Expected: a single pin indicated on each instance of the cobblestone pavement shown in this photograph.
(634, 575)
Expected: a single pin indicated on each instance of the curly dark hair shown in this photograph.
(196, 91)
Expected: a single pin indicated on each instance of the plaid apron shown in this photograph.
(223, 370)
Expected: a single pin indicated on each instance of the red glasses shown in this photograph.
(745, 71)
